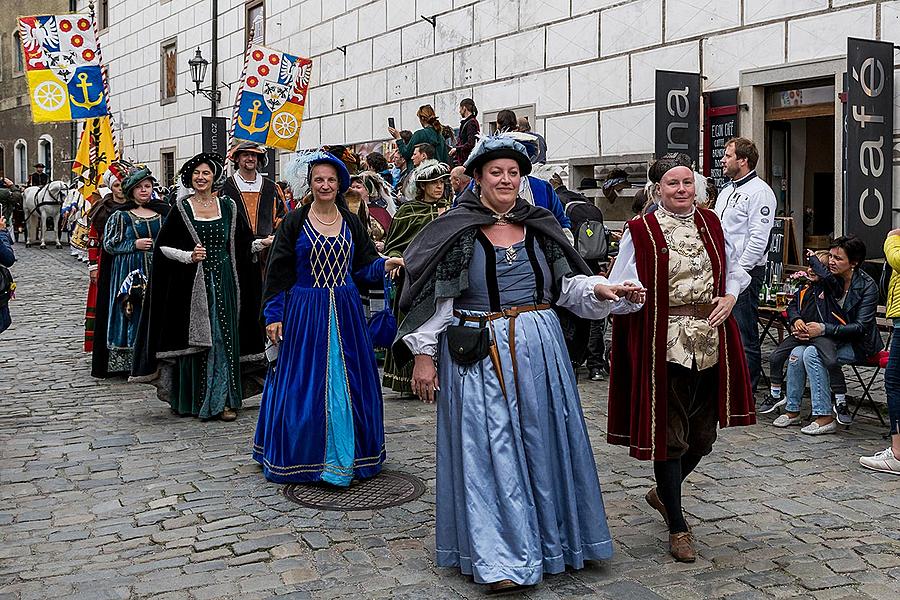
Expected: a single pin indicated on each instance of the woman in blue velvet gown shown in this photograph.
(321, 414)
(128, 242)
(517, 491)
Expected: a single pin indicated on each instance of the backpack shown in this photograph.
(7, 286)
(591, 240)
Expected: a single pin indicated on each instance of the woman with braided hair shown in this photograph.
(431, 133)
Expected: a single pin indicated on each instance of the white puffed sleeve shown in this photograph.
(424, 339)
(577, 295)
(182, 256)
(625, 271)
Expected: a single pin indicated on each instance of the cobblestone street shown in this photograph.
(105, 494)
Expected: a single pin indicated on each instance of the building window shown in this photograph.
(168, 72)
(2, 162)
(19, 64)
(45, 152)
(103, 14)
(167, 162)
(20, 160)
(2, 54)
(256, 11)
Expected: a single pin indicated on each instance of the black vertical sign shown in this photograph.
(721, 124)
(269, 169)
(215, 135)
(678, 113)
(869, 139)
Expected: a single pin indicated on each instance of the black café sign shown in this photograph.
(870, 130)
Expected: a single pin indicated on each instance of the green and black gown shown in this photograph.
(408, 221)
(203, 316)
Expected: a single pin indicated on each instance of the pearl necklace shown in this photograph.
(319, 219)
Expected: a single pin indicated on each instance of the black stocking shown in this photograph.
(668, 486)
(688, 463)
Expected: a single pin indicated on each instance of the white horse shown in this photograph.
(42, 206)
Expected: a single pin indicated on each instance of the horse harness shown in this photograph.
(41, 195)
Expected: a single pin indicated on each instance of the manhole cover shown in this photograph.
(388, 488)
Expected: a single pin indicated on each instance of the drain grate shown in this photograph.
(388, 488)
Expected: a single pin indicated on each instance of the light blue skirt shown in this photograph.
(517, 488)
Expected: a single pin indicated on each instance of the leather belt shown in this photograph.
(697, 311)
(506, 313)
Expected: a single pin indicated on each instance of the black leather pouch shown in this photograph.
(468, 345)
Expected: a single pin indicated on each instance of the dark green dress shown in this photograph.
(409, 220)
(208, 382)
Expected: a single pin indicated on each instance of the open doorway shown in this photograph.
(800, 145)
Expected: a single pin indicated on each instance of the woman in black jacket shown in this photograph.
(857, 340)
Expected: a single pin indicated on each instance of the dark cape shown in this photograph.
(175, 318)
(437, 261)
(99, 215)
(281, 272)
(269, 209)
(638, 385)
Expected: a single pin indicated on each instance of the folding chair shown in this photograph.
(876, 362)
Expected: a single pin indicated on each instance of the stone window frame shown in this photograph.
(165, 152)
(18, 56)
(249, 6)
(102, 14)
(172, 43)
(20, 161)
(45, 138)
(489, 117)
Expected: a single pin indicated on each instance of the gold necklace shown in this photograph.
(319, 219)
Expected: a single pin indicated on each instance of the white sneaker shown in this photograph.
(816, 429)
(883, 461)
(786, 420)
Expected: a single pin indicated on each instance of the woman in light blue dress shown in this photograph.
(517, 488)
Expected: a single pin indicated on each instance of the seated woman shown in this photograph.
(517, 490)
(856, 340)
(320, 418)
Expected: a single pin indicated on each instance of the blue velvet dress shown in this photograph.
(321, 416)
(517, 488)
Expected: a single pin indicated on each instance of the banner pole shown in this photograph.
(255, 28)
(112, 123)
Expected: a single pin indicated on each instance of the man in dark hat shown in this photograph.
(259, 199)
(39, 177)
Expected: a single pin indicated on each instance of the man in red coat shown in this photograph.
(678, 367)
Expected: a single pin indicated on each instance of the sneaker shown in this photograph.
(770, 404)
(786, 420)
(816, 429)
(843, 414)
(883, 461)
(596, 375)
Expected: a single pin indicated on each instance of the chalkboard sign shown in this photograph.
(721, 124)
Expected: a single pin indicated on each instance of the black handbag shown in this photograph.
(468, 345)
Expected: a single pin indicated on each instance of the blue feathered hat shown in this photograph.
(497, 146)
(298, 170)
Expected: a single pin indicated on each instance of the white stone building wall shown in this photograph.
(587, 65)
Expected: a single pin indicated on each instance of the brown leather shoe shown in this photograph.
(653, 500)
(681, 546)
(505, 586)
(228, 415)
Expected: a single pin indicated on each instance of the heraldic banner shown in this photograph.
(62, 64)
(95, 153)
(272, 98)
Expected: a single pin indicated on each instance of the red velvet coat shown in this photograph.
(638, 389)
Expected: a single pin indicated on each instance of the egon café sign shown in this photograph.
(870, 130)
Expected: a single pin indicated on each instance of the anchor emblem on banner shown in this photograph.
(254, 112)
(84, 85)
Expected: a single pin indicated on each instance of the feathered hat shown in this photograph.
(298, 170)
(428, 170)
